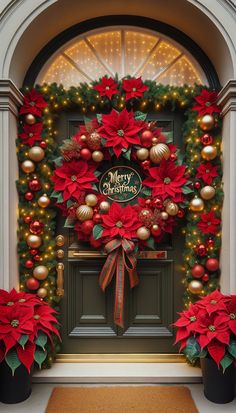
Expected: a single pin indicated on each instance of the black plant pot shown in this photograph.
(218, 386)
(17, 388)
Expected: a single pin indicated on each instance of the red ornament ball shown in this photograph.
(206, 139)
(210, 243)
(205, 277)
(97, 218)
(197, 271)
(173, 156)
(27, 219)
(212, 264)
(156, 230)
(32, 283)
(36, 227)
(180, 213)
(145, 164)
(157, 203)
(34, 185)
(33, 252)
(29, 264)
(87, 226)
(201, 250)
(85, 154)
(28, 196)
(43, 144)
(37, 257)
(145, 216)
(148, 202)
(197, 185)
(146, 138)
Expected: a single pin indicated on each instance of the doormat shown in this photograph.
(152, 399)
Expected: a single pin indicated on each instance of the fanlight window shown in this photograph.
(123, 51)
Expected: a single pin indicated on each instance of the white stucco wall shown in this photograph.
(28, 25)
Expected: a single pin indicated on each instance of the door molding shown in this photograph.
(121, 358)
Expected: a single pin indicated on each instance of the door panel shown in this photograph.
(149, 308)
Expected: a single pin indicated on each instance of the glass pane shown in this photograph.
(61, 71)
(108, 47)
(180, 73)
(137, 47)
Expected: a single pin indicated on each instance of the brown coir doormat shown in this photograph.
(166, 399)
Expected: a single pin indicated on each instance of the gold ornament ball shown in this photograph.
(83, 138)
(196, 204)
(154, 141)
(104, 206)
(36, 153)
(143, 233)
(30, 119)
(164, 216)
(142, 154)
(42, 292)
(40, 272)
(97, 156)
(28, 166)
(206, 122)
(84, 212)
(44, 201)
(159, 152)
(33, 241)
(195, 287)
(207, 192)
(172, 209)
(209, 152)
(91, 200)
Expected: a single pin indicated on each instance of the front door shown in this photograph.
(149, 308)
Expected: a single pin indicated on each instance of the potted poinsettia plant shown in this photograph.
(207, 331)
(27, 326)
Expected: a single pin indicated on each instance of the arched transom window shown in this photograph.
(123, 51)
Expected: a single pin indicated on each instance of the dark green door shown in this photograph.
(150, 308)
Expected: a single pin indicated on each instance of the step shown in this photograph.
(119, 373)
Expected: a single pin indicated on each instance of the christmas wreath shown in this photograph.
(121, 185)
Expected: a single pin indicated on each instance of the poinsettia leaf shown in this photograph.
(226, 362)
(69, 222)
(97, 231)
(146, 191)
(169, 136)
(41, 340)
(99, 118)
(140, 115)
(23, 340)
(55, 194)
(60, 199)
(58, 161)
(39, 356)
(97, 173)
(69, 203)
(203, 353)
(151, 243)
(127, 153)
(192, 349)
(87, 121)
(103, 141)
(12, 360)
(186, 190)
(232, 348)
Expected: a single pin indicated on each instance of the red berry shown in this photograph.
(205, 277)
(43, 144)
(197, 185)
(180, 213)
(173, 157)
(29, 264)
(29, 196)
(145, 164)
(33, 251)
(37, 257)
(85, 154)
(97, 218)
(27, 219)
(148, 202)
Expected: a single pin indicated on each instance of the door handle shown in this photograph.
(60, 279)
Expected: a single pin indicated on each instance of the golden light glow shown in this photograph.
(124, 51)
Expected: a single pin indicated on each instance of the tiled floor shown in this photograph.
(41, 393)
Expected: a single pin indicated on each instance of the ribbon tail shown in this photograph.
(108, 270)
(119, 292)
(130, 262)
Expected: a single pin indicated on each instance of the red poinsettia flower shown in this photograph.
(107, 87)
(31, 134)
(134, 88)
(231, 308)
(15, 321)
(209, 224)
(166, 180)
(44, 320)
(120, 222)
(206, 103)
(14, 298)
(74, 177)
(33, 103)
(120, 130)
(214, 302)
(186, 324)
(206, 172)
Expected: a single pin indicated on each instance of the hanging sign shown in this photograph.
(120, 183)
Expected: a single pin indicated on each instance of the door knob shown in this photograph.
(60, 279)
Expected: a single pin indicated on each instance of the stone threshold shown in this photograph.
(119, 373)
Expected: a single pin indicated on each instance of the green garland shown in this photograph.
(85, 100)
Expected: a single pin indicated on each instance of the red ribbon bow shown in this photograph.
(121, 256)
